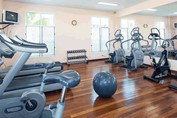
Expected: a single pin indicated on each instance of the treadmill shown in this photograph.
(10, 84)
(30, 69)
(33, 69)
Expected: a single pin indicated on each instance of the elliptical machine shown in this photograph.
(173, 52)
(117, 55)
(136, 58)
(162, 68)
(154, 36)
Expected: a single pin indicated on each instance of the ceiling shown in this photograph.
(86, 4)
(165, 10)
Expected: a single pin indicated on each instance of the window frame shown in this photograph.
(128, 29)
(99, 27)
(41, 31)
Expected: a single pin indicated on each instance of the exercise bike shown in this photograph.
(31, 104)
(162, 68)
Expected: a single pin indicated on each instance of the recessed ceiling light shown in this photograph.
(106, 3)
(151, 9)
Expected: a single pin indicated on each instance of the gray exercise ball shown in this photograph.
(104, 84)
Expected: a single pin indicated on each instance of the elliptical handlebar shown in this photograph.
(109, 42)
(165, 43)
(135, 30)
(114, 45)
(156, 30)
(155, 33)
(135, 34)
(124, 42)
(118, 35)
(174, 37)
(117, 32)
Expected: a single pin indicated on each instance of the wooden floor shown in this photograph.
(134, 98)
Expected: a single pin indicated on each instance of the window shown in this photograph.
(126, 28)
(100, 33)
(161, 27)
(40, 29)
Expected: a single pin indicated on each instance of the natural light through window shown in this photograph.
(126, 26)
(40, 29)
(100, 33)
(161, 26)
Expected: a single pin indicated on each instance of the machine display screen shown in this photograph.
(9, 16)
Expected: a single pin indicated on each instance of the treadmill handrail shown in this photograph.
(23, 48)
(22, 44)
(23, 41)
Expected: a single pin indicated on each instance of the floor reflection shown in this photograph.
(128, 88)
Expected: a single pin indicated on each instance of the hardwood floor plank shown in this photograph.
(135, 97)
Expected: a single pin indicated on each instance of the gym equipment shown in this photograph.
(33, 69)
(162, 68)
(154, 36)
(29, 69)
(18, 40)
(173, 52)
(13, 86)
(104, 84)
(136, 57)
(76, 56)
(32, 102)
(117, 55)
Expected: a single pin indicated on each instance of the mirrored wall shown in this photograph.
(164, 18)
(166, 22)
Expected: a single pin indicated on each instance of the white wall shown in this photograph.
(140, 20)
(68, 37)
(1, 9)
(74, 37)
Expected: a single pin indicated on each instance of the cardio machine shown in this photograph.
(173, 52)
(117, 55)
(136, 58)
(32, 102)
(30, 69)
(16, 85)
(154, 36)
(162, 68)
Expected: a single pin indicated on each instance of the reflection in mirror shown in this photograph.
(165, 19)
(145, 23)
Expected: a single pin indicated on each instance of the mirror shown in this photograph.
(164, 18)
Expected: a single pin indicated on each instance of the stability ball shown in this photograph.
(104, 84)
